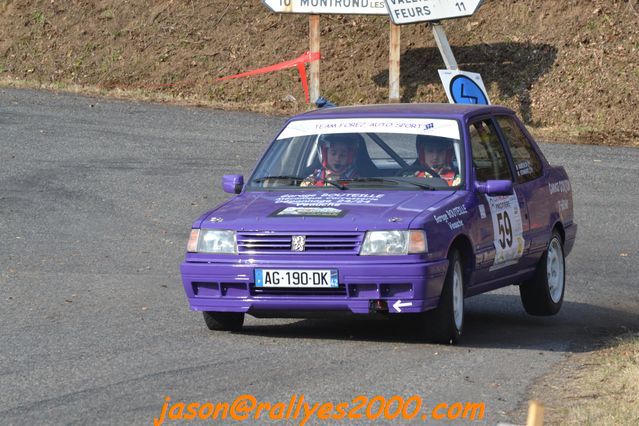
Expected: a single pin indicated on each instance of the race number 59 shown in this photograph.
(505, 230)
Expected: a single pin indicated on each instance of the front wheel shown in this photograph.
(445, 323)
(543, 294)
(227, 321)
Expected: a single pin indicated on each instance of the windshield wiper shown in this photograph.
(263, 178)
(423, 185)
(395, 180)
(298, 179)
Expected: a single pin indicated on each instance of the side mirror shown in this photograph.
(495, 187)
(232, 184)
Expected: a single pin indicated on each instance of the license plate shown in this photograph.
(296, 278)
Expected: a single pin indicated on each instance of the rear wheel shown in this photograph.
(445, 323)
(544, 293)
(227, 321)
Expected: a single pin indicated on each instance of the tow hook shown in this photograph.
(378, 306)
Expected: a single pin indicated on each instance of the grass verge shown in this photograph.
(594, 388)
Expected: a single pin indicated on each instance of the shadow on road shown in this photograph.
(513, 67)
(492, 321)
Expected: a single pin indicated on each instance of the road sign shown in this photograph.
(411, 11)
(464, 87)
(326, 7)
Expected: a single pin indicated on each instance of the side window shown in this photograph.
(489, 157)
(527, 163)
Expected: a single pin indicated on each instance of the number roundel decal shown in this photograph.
(508, 230)
(505, 230)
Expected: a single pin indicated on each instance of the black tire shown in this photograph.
(227, 321)
(441, 325)
(543, 294)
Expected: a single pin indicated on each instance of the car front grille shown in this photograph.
(336, 291)
(315, 243)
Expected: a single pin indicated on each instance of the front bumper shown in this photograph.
(228, 286)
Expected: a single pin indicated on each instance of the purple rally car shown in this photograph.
(402, 210)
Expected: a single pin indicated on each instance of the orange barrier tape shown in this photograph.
(297, 62)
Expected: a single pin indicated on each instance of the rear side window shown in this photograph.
(489, 157)
(526, 161)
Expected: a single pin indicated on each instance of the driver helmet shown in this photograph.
(351, 141)
(434, 143)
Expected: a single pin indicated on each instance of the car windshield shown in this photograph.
(389, 153)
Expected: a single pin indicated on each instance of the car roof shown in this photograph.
(440, 110)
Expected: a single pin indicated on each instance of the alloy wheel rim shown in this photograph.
(555, 270)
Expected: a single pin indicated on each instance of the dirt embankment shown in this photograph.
(570, 68)
(594, 388)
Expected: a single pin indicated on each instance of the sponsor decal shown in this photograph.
(482, 211)
(562, 186)
(451, 217)
(562, 205)
(328, 199)
(308, 211)
(524, 168)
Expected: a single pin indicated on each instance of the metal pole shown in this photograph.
(314, 35)
(444, 46)
(393, 63)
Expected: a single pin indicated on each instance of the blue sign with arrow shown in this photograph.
(463, 87)
(465, 91)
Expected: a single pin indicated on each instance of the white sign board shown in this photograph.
(326, 7)
(411, 11)
(463, 87)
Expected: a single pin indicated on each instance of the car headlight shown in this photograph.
(382, 243)
(212, 241)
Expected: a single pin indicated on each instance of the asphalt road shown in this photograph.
(96, 202)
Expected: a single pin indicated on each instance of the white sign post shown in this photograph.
(444, 46)
(412, 11)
